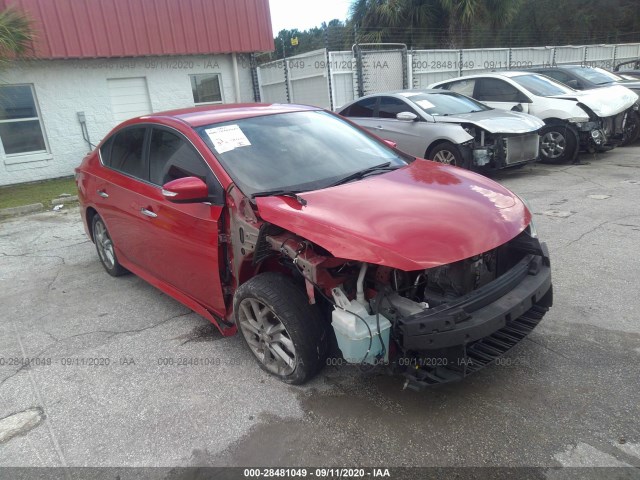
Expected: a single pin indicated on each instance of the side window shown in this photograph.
(126, 152)
(105, 151)
(496, 90)
(363, 108)
(172, 157)
(463, 87)
(390, 107)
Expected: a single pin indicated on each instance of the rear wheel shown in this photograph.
(105, 247)
(285, 334)
(449, 154)
(558, 143)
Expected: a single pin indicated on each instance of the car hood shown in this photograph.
(420, 216)
(605, 101)
(496, 121)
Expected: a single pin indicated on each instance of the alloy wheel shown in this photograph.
(267, 337)
(104, 244)
(553, 144)
(445, 156)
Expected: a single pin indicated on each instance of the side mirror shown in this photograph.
(186, 190)
(573, 84)
(517, 108)
(406, 116)
(391, 143)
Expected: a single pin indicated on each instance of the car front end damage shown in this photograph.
(604, 133)
(494, 151)
(432, 325)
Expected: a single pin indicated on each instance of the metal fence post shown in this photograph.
(328, 65)
(286, 73)
(255, 78)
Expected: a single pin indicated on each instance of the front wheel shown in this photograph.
(558, 143)
(449, 154)
(631, 129)
(285, 334)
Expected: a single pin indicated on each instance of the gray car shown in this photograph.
(448, 127)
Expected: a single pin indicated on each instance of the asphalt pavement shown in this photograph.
(120, 374)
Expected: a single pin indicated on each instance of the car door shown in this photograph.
(498, 93)
(181, 240)
(411, 137)
(118, 186)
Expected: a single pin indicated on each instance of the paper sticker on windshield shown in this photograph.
(227, 138)
(425, 104)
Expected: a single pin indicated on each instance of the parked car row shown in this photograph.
(504, 119)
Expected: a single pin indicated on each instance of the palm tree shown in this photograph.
(16, 36)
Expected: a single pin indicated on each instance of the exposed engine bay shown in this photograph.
(399, 319)
(501, 150)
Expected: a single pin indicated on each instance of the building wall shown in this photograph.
(65, 87)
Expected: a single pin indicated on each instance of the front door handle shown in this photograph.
(148, 213)
(379, 127)
(103, 194)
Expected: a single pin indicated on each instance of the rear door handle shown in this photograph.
(103, 194)
(379, 127)
(148, 213)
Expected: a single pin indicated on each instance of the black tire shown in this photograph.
(304, 328)
(558, 143)
(631, 129)
(105, 248)
(442, 152)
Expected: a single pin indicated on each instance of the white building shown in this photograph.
(92, 69)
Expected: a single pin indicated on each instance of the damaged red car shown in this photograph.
(316, 240)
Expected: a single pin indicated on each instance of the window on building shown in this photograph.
(20, 125)
(206, 88)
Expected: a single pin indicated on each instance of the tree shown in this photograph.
(420, 22)
(16, 35)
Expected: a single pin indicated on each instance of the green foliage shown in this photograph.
(15, 34)
(472, 24)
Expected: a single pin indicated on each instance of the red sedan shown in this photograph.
(317, 240)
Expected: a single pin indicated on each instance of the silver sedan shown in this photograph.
(448, 127)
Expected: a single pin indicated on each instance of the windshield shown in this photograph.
(595, 74)
(448, 103)
(293, 151)
(541, 86)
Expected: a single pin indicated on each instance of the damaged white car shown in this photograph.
(591, 120)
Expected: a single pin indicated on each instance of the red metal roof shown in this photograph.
(133, 28)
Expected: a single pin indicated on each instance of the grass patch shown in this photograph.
(37, 192)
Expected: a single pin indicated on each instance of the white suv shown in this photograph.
(591, 119)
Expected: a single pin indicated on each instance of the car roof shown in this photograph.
(208, 114)
(506, 73)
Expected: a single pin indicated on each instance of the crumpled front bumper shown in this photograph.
(483, 311)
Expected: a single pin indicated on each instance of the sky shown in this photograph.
(304, 14)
